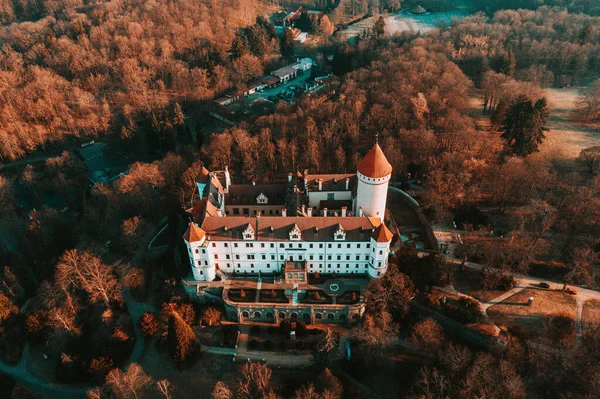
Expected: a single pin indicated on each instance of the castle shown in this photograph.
(330, 224)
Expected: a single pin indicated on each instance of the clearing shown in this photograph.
(566, 138)
(514, 314)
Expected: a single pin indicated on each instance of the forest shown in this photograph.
(136, 74)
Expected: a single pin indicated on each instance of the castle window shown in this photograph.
(320, 245)
(357, 245)
(347, 257)
(214, 245)
(199, 263)
(237, 256)
(264, 257)
(216, 256)
(203, 250)
(339, 257)
(281, 245)
(328, 257)
(328, 245)
(272, 257)
(226, 245)
(368, 245)
(268, 266)
(262, 244)
(348, 246)
(235, 244)
(310, 245)
(357, 257)
(236, 211)
(272, 245)
(227, 256)
(339, 245)
(197, 251)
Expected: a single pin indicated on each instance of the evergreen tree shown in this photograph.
(267, 26)
(199, 135)
(379, 27)
(182, 341)
(238, 47)
(342, 60)
(524, 124)
(287, 43)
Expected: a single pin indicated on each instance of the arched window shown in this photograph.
(281, 315)
(269, 316)
(342, 317)
(318, 316)
(245, 314)
(294, 316)
(257, 315)
(330, 316)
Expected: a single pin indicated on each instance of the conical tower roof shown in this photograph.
(375, 164)
(194, 233)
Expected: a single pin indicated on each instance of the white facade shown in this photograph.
(315, 197)
(371, 195)
(268, 257)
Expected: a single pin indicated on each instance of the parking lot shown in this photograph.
(298, 82)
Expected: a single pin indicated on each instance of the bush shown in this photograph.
(497, 281)
(464, 310)
(230, 333)
(36, 326)
(560, 326)
(301, 329)
(285, 326)
(269, 345)
(255, 330)
(470, 214)
(284, 344)
(518, 331)
(149, 324)
(427, 334)
(100, 367)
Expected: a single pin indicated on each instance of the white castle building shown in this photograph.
(317, 223)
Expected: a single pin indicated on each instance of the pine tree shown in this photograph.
(182, 341)
(524, 124)
(287, 43)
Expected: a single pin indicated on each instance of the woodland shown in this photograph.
(141, 76)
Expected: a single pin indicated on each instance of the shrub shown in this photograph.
(100, 367)
(230, 333)
(427, 334)
(149, 324)
(285, 326)
(269, 345)
(518, 331)
(560, 326)
(36, 326)
(255, 330)
(301, 328)
(464, 310)
(284, 344)
(470, 214)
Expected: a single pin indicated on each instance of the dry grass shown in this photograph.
(566, 137)
(466, 283)
(513, 313)
(591, 317)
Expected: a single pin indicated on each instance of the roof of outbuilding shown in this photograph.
(375, 164)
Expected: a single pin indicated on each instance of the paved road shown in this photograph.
(26, 161)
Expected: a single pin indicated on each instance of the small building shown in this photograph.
(270, 80)
(286, 73)
(418, 10)
(303, 64)
(301, 37)
(295, 272)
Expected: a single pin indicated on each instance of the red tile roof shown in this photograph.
(375, 164)
(382, 234)
(193, 233)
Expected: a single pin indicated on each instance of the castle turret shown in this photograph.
(374, 173)
(195, 239)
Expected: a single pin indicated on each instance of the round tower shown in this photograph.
(374, 173)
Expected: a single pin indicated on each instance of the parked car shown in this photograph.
(544, 285)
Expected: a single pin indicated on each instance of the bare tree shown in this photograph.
(591, 157)
(211, 316)
(133, 383)
(165, 388)
(221, 391)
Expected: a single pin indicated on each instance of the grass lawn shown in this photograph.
(513, 313)
(466, 283)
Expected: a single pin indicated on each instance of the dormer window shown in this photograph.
(262, 199)
(340, 234)
(295, 233)
(248, 232)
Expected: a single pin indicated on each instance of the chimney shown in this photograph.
(289, 177)
(347, 183)
(254, 182)
(320, 181)
(256, 228)
(360, 212)
(227, 178)
(324, 212)
(309, 211)
(295, 188)
(284, 212)
(344, 209)
(303, 209)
